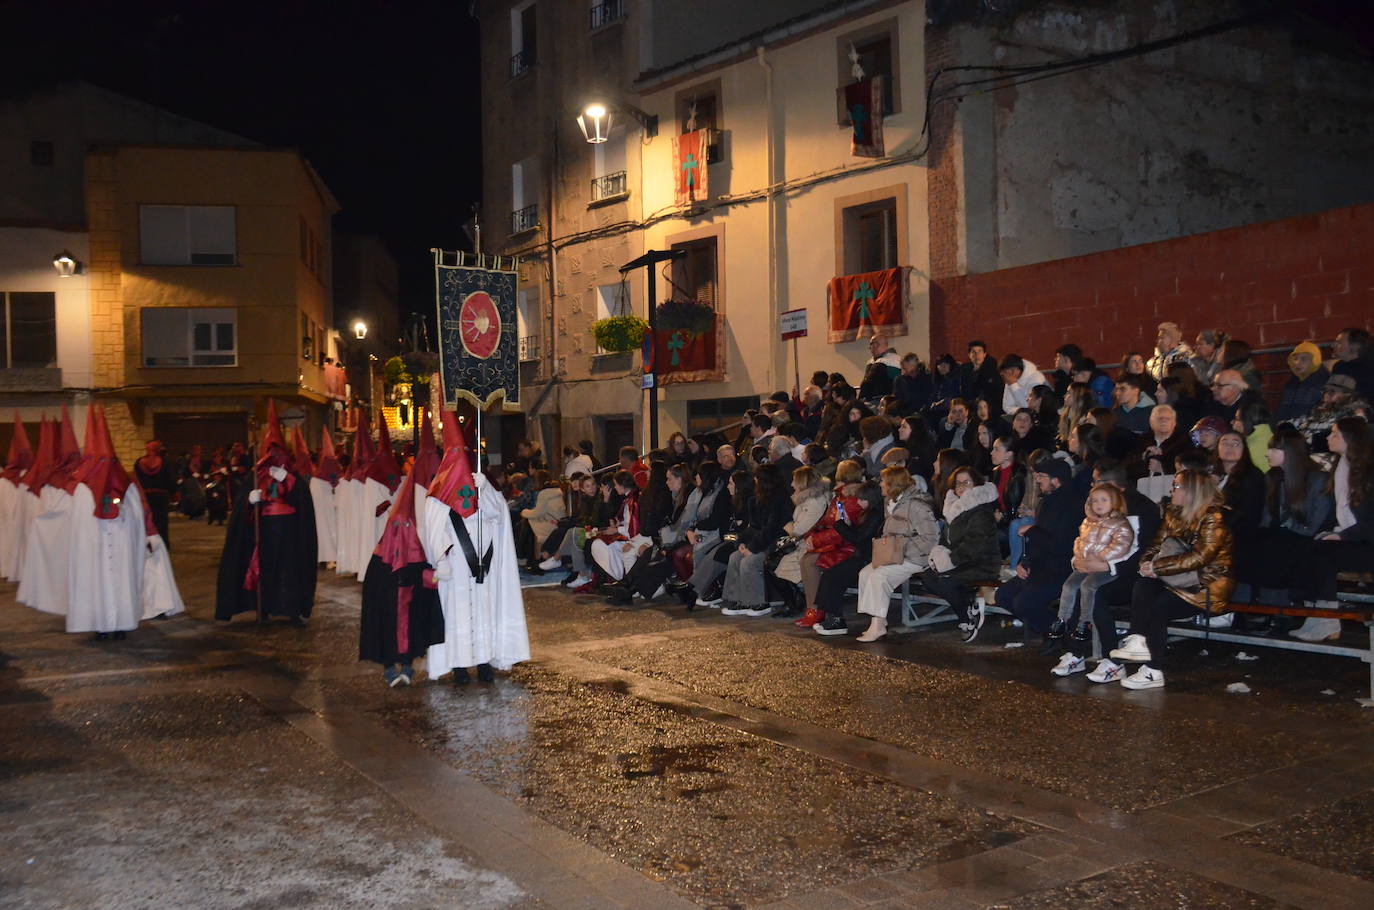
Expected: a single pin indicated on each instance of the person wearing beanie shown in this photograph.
(1049, 547)
(1303, 392)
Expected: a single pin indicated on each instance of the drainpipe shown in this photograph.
(772, 217)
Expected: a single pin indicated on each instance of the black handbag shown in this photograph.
(784, 545)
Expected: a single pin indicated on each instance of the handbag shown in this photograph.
(889, 550)
(1155, 487)
(1172, 546)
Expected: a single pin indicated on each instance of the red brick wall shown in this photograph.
(1271, 284)
(942, 180)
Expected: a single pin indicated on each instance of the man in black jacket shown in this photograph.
(979, 377)
(1049, 548)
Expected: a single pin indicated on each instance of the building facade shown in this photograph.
(784, 210)
(202, 274)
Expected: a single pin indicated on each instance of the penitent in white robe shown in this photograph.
(9, 534)
(483, 623)
(326, 521)
(368, 524)
(22, 513)
(346, 496)
(105, 570)
(160, 594)
(46, 554)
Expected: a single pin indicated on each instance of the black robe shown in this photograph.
(287, 561)
(378, 631)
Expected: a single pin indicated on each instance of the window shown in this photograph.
(523, 40)
(707, 414)
(609, 303)
(608, 168)
(876, 47)
(694, 275)
(527, 322)
(28, 334)
(524, 183)
(877, 229)
(41, 153)
(182, 337)
(699, 108)
(604, 12)
(870, 230)
(187, 234)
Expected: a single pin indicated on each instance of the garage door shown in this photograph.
(178, 432)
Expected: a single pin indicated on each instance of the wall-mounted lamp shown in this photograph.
(595, 121)
(66, 264)
(360, 330)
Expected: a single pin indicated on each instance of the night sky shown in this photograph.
(382, 97)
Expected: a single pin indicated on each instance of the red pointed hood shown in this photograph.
(45, 461)
(400, 544)
(21, 455)
(108, 481)
(454, 484)
(83, 467)
(426, 455)
(383, 467)
(327, 468)
(273, 436)
(68, 453)
(363, 451)
(303, 464)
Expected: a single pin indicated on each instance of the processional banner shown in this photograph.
(478, 347)
(867, 303)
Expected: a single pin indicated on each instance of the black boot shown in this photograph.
(1081, 645)
(1054, 638)
(485, 673)
(461, 677)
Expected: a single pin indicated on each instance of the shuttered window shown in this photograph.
(187, 235)
(694, 275)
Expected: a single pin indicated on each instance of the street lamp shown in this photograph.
(360, 330)
(595, 121)
(66, 264)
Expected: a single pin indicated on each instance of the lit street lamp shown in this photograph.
(360, 330)
(595, 121)
(66, 264)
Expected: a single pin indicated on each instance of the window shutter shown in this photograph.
(211, 229)
(163, 238)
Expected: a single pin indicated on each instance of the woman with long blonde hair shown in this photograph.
(1078, 401)
(1186, 571)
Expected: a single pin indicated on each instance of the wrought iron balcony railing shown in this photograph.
(526, 219)
(606, 12)
(520, 63)
(609, 185)
(529, 348)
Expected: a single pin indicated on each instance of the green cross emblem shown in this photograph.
(676, 344)
(690, 165)
(466, 493)
(857, 116)
(863, 296)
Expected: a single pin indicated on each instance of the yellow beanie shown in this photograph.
(1310, 348)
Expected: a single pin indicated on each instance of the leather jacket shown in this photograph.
(1209, 540)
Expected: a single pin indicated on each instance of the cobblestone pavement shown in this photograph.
(655, 757)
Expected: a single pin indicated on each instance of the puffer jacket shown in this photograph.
(823, 539)
(1108, 539)
(970, 534)
(807, 508)
(912, 516)
(1209, 556)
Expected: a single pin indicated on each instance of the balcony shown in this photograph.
(31, 379)
(526, 219)
(529, 348)
(520, 63)
(606, 12)
(609, 186)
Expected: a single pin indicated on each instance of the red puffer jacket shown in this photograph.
(825, 541)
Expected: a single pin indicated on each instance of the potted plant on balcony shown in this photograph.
(690, 317)
(619, 334)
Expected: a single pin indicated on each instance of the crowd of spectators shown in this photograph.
(1163, 492)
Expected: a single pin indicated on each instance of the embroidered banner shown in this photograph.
(859, 305)
(863, 101)
(478, 347)
(689, 157)
(680, 357)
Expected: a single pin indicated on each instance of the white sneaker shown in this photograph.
(551, 563)
(703, 602)
(968, 630)
(1146, 677)
(1107, 671)
(877, 628)
(1132, 648)
(1219, 621)
(1316, 629)
(734, 610)
(1069, 664)
(580, 580)
(759, 610)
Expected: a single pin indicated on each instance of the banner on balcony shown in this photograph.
(681, 357)
(868, 303)
(689, 157)
(863, 101)
(478, 347)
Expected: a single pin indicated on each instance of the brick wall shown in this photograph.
(942, 174)
(1271, 284)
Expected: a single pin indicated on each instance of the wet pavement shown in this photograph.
(655, 757)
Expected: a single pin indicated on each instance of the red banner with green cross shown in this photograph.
(689, 159)
(863, 103)
(864, 304)
(681, 357)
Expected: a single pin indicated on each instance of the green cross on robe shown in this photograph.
(862, 297)
(690, 165)
(466, 493)
(676, 344)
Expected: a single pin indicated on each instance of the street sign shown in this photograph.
(646, 381)
(793, 324)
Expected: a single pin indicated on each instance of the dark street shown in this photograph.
(653, 757)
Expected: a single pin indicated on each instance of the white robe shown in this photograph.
(46, 554)
(105, 572)
(346, 537)
(24, 510)
(483, 623)
(160, 594)
(369, 525)
(9, 535)
(326, 521)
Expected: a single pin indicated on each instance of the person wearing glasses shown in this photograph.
(1230, 393)
(968, 553)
